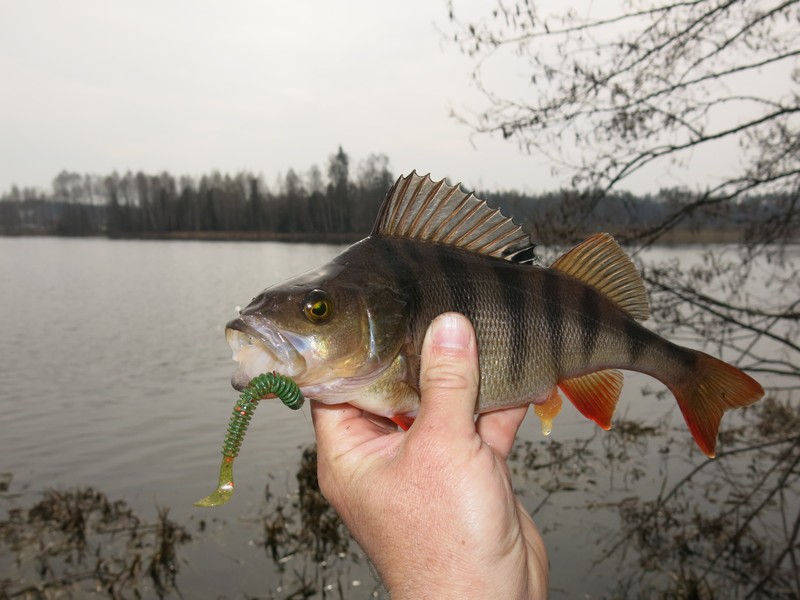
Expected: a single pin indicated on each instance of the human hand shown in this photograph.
(433, 507)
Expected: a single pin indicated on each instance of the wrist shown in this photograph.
(474, 582)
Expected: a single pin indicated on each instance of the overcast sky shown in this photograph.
(193, 86)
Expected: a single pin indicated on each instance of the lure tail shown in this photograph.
(224, 489)
(263, 385)
(715, 387)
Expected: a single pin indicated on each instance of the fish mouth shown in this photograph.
(260, 347)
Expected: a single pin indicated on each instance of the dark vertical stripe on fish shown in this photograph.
(457, 278)
(388, 253)
(590, 322)
(636, 337)
(553, 315)
(402, 265)
(515, 312)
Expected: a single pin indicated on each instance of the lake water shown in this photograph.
(114, 373)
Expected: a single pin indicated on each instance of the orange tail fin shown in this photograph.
(715, 388)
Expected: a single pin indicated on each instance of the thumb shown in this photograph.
(449, 374)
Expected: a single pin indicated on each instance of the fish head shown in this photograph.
(327, 330)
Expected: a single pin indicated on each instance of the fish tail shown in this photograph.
(714, 388)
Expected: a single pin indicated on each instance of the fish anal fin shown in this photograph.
(595, 395)
(419, 208)
(601, 263)
(548, 410)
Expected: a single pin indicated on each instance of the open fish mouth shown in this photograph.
(259, 347)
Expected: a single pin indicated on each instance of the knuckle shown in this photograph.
(447, 376)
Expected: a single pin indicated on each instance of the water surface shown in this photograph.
(114, 373)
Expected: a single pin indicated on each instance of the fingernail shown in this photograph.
(450, 331)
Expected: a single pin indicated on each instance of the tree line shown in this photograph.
(146, 205)
(340, 207)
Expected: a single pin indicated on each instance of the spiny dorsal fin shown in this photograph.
(422, 209)
(601, 263)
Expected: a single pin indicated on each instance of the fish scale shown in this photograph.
(529, 336)
(475, 289)
(352, 330)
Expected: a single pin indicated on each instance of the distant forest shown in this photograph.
(338, 207)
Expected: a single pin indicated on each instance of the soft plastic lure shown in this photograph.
(262, 385)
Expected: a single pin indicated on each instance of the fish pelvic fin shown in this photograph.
(595, 395)
(419, 208)
(601, 263)
(404, 422)
(715, 388)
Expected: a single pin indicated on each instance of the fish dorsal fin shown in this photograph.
(422, 209)
(601, 263)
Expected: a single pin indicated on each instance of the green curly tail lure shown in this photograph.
(262, 385)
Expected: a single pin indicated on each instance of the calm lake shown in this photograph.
(114, 373)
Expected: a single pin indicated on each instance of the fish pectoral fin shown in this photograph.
(548, 410)
(595, 395)
(601, 263)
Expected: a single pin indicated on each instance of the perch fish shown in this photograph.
(351, 331)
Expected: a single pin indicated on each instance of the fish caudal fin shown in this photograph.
(715, 388)
(595, 395)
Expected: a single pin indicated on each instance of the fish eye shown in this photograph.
(317, 306)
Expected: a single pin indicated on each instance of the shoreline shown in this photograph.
(214, 236)
(670, 238)
(246, 236)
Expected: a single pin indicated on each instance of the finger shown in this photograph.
(449, 374)
(330, 421)
(499, 428)
(327, 417)
(384, 423)
(341, 427)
